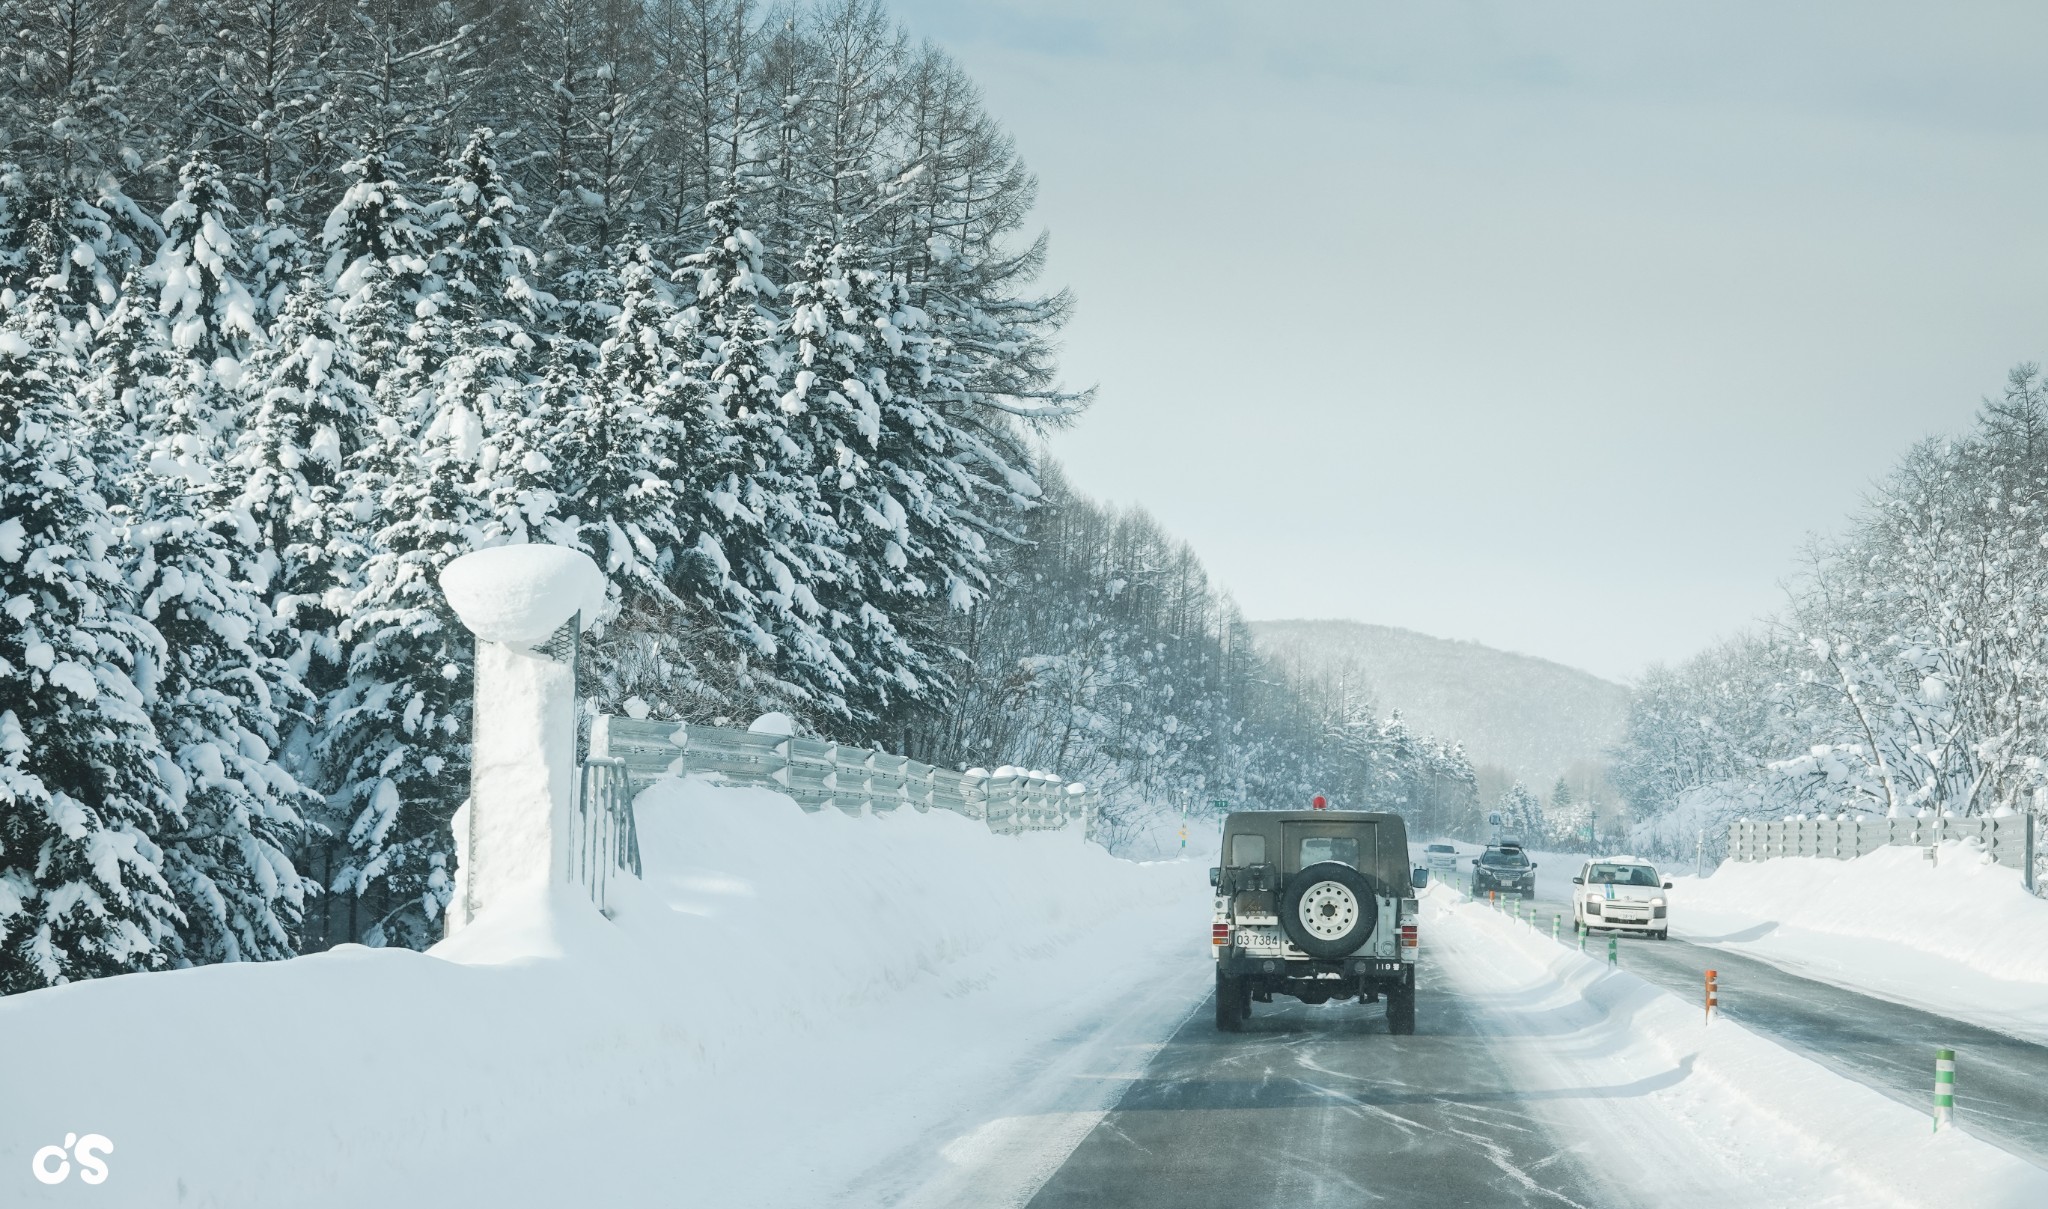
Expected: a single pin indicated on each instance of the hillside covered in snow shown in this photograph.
(1531, 716)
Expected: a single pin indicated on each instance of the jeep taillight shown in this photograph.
(1220, 934)
(1411, 939)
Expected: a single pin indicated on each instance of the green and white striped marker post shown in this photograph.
(1613, 950)
(1556, 924)
(1944, 1088)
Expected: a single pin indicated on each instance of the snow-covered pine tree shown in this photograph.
(761, 532)
(399, 738)
(199, 270)
(128, 349)
(612, 464)
(307, 415)
(614, 468)
(1521, 813)
(519, 481)
(218, 694)
(396, 753)
(82, 892)
(852, 419)
(377, 261)
(478, 306)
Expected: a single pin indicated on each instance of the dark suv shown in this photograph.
(1317, 904)
(1504, 868)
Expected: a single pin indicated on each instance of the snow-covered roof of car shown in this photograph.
(1620, 860)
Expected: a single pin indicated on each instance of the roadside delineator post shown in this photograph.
(1613, 950)
(1556, 925)
(1944, 1088)
(1713, 998)
(1582, 938)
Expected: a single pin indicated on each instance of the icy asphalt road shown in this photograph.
(1313, 1106)
(2001, 1081)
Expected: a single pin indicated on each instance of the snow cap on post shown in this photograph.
(519, 595)
(773, 723)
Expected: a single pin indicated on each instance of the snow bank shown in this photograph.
(1672, 1111)
(786, 999)
(1959, 935)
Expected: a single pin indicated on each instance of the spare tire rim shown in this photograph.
(1329, 910)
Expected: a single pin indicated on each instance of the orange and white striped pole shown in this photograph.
(1713, 994)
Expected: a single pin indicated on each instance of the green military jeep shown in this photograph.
(1317, 904)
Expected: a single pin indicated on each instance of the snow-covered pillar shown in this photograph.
(514, 834)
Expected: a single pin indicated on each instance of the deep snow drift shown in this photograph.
(788, 999)
(1671, 1110)
(1959, 935)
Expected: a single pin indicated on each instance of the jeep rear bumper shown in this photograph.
(1373, 971)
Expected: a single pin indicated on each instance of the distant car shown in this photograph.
(1621, 894)
(1440, 858)
(1504, 868)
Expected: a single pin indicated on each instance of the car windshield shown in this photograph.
(1622, 875)
(1498, 857)
(1441, 848)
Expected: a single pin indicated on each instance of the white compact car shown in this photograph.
(1442, 859)
(1621, 894)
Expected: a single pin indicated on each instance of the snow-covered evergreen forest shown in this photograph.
(1908, 672)
(301, 299)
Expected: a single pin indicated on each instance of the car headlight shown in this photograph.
(1657, 902)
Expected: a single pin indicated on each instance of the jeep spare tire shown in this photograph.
(1328, 910)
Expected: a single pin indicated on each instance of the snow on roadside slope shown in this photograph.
(787, 1000)
(1672, 1111)
(1959, 936)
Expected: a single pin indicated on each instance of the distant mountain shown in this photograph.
(1531, 716)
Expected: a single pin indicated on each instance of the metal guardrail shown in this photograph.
(819, 774)
(606, 839)
(2008, 838)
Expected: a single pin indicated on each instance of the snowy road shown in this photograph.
(1536, 1077)
(1315, 1106)
(1883, 1045)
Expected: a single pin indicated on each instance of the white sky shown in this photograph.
(1554, 326)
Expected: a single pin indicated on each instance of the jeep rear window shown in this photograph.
(1318, 848)
(1247, 850)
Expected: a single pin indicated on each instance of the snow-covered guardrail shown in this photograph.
(820, 774)
(2008, 838)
